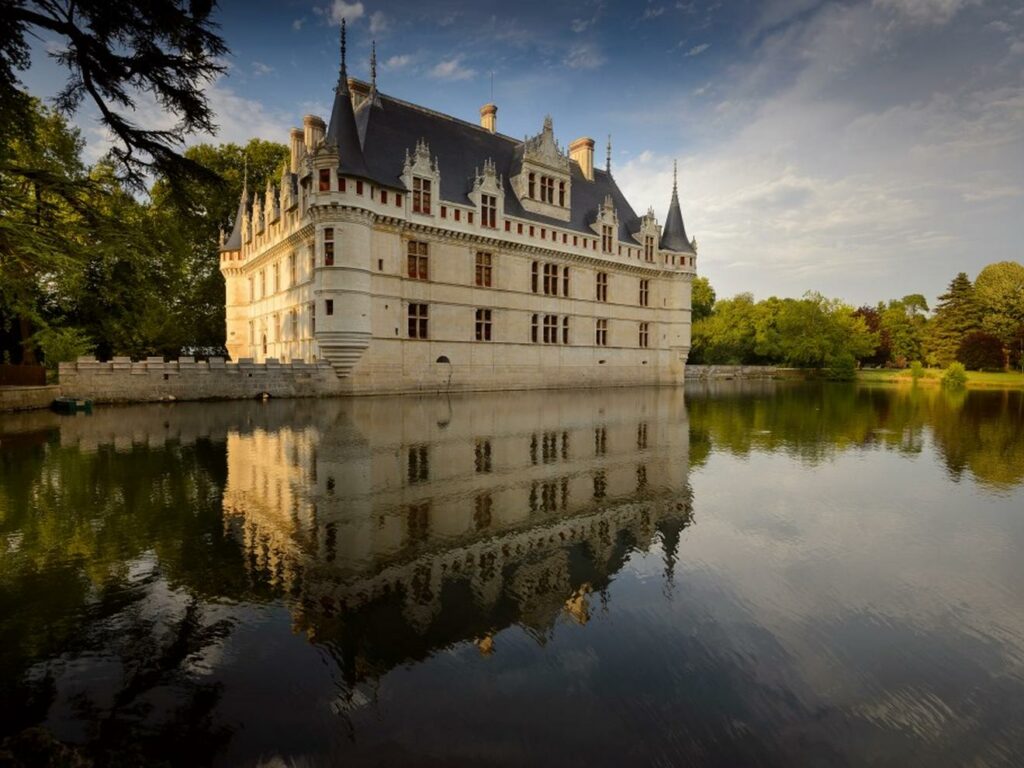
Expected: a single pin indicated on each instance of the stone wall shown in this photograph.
(27, 398)
(153, 380)
(707, 372)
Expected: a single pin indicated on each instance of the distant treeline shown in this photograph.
(979, 324)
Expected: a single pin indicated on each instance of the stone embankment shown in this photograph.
(27, 398)
(153, 380)
(720, 372)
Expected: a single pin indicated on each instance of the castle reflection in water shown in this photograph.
(403, 525)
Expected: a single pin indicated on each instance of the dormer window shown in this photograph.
(649, 248)
(531, 189)
(420, 195)
(607, 239)
(489, 211)
(547, 189)
(561, 193)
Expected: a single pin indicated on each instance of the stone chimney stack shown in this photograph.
(489, 117)
(296, 142)
(582, 151)
(314, 129)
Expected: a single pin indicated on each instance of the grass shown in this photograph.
(975, 379)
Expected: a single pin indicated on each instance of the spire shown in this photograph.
(374, 99)
(234, 241)
(608, 157)
(673, 236)
(341, 131)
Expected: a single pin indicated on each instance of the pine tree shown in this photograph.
(956, 315)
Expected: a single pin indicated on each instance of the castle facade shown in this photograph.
(412, 250)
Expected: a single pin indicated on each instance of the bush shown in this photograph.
(955, 376)
(62, 345)
(980, 351)
(916, 370)
(842, 367)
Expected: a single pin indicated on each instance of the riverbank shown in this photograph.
(933, 376)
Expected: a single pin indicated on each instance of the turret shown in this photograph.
(673, 236)
(342, 133)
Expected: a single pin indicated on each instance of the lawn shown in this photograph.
(975, 379)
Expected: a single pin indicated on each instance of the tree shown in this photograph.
(873, 320)
(115, 53)
(980, 351)
(956, 315)
(903, 324)
(703, 299)
(999, 290)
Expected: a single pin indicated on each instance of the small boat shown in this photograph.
(71, 405)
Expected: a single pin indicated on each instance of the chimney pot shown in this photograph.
(489, 117)
(313, 129)
(582, 151)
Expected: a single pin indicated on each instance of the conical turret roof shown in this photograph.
(234, 241)
(342, 131)
(673, 236)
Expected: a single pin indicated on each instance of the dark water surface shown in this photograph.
(744, 575)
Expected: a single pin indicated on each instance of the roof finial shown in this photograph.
(373, 65)
(608, 157)
(342, 73)
(245, 176)
(675, 187)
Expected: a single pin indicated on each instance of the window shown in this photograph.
(550, 279)
(359, 187)
(533, 278)
(641, 436)
(325, 179)
(328, 246)
(420, 195)
(252, 333)
(444, 211)
(293, 325)
(602, 286)
(341, 183)
(550, 329)
(648, 248)
(533, 329)
(384, 196)
(458, 215)
(469, 215)
(277, 328)
(601, 333)
(547, 189)
(252, 290)
(419, 472)
(565, 281)
(483, 269)
(312, 261)
(565, 329)
(643, 334)
(418, 260)
(398, 200)
(530, 186)
(606, 238)
(489, 211)
(645, 289)
(519, 229)
(417, 321)
(328, 306)
(312, 320)
(561, 193)
(292, 272)
(276, 270)
(482, 456)
(483, 325)
(263, 283)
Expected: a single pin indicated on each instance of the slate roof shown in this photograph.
(673, 235)
(343, 133)
(388, 130)
(234, 241)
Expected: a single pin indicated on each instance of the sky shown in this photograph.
(865, 149)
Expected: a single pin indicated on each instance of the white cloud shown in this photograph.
(652, 12)
(697, 50)
(297, 24)
(934, 12)
(259, 68)
(451, 69)
(349, 11)
(378, 22)
(397, 62)
(583, 56)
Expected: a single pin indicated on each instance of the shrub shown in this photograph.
(980, 351)
(916, 370)
(955, 376)
(62, 345)
(842, 367)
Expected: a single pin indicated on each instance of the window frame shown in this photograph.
(418, 316)
(417, 260)
(422, 195)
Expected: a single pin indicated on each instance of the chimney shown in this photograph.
(582, 151)
(314, 131)
(489, 117)
(296, 139)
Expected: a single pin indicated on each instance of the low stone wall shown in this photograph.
(709, 372)
(27, 398)
(153, 380)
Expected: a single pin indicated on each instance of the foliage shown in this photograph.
(873, 321)
(999, 290)
(956, 315)
(62, 345)
(120, 56)
(916, 370)
(980, 351)
(703, 301)
(842, 367)
(955, 376)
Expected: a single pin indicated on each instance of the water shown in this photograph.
(748, 575)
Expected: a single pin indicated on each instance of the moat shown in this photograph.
(737, 574)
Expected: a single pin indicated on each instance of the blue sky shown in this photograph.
(866, 149)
